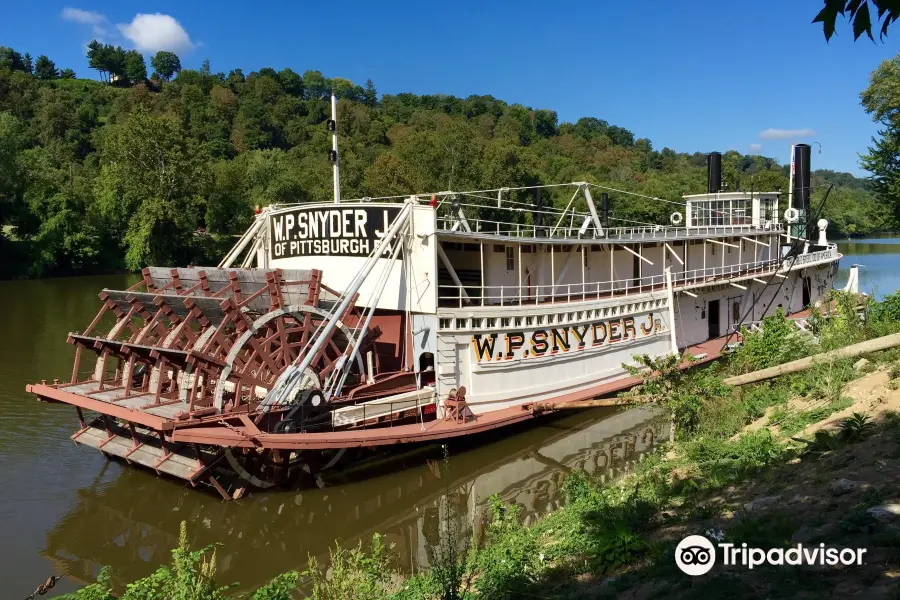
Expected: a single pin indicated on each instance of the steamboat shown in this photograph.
(336, 328)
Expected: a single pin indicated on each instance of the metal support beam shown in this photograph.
(739, 286)
(757, 242)
(674, 254)
(692, 295)
(722, 243)
(593, 209)
(649, 262)
(292, 375)
(452, 271)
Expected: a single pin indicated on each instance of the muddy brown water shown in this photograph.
(66, 509)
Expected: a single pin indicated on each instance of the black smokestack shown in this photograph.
(604, 207)
(714, 172)
(802, 154)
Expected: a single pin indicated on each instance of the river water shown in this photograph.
(66, 509)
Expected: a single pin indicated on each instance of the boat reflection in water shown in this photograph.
(400, 497)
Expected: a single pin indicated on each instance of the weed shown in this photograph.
(191, 576)
(769, 530)
(894, 371)
(778, 342)
(354, 574)
(858, 521)
(856, 427)
(617, 549)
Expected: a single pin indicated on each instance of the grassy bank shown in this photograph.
(810, 457)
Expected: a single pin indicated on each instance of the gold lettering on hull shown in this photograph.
(498, 347)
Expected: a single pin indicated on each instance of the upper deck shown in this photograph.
(513, 246)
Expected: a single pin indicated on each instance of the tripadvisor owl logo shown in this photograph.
(695, 555)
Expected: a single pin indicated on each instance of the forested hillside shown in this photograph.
(132, 171)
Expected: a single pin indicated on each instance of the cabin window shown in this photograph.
(504, 322)
(460, 323)
(529, 320)
(518, 321)
(551, 319)
(540, 319)
(492, 322)
(712, 252)
(499, 248)
(445, 323)
(476, 322)
(510, 259)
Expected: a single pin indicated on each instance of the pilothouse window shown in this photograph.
(510, 259)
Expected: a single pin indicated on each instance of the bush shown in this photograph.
(749, 450)
(355, 574)
(510, 560)
(758, 398)
(191, 576)
(778, 342)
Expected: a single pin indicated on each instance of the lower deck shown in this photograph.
(423, 431)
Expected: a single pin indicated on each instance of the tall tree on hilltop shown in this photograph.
(67, 74)
(11, 59)
(27, 64)
(166, 64)
(291, 82)
(370, 96)
(135, 68)
(95, 58)
(882, 100)
(44, 68)
(859, 14)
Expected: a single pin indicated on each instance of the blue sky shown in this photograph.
(693, 75)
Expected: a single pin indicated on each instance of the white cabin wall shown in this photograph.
(496, 274)
(656, 256)
(623, 268)
(695, 256)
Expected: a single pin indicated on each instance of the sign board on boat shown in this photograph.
(329, 231)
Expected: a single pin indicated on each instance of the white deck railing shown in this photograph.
(574, 231)
(515, 295)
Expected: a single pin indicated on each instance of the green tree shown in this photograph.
(370, 96)
(12, 142)
(166, 64)
(67, 74)
(27, 64)
(134, 67)
(882, 100)
(291, 82)
(11, 59)
(316, 85)
(150, 188)
(45, 69)
(859, 14)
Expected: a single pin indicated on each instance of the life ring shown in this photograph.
(791, 215)
(676, 218)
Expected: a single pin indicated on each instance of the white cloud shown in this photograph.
(150, 33)
(755, 147)
(86, 17)
(784, 134)
(96, 20)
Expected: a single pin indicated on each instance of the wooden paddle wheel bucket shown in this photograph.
(185, 345)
